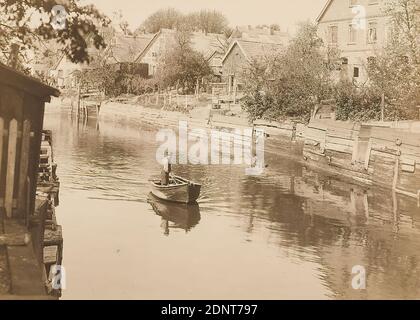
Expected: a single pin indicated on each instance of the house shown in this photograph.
(64, 71)
(120, 53)
(241, 54)
(123, 50)
(215, 62)
(165, 39)
(359, 29)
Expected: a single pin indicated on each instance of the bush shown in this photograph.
(358, 104)
(364, 104)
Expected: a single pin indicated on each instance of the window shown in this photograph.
(333, 34)
(356, 72)
(352, 33)
(372, 32)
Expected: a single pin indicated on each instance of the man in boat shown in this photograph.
(166, 170)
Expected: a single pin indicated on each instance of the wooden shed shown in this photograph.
(22, 101)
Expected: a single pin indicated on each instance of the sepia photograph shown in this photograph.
(209, 150)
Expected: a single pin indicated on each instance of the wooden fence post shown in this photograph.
(78, 101)
(1, 141)
(24, 162)
(11, 166)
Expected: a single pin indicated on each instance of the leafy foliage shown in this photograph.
(358, 104)
(181, 65)
(23, 23)
(395, 72)
(292, 82)
(210, 21)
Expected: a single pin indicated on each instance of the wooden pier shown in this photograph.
(88, 103)
(22, 213)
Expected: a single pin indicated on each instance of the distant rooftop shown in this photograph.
(263, 35)
(124, 48)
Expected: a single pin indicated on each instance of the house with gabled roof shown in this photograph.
(359, 29)
(120, 53)
(241, 54)
(165, 39)
(215, 62)
(125, 48)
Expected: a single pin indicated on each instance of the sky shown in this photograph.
(286, 13)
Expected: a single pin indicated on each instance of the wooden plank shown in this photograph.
(11, 165)
(342, 141)
(368, 152)
(390, 134)
(355, 153)
(407, 161)
(408, 168)
(1, 142)
(339, 148)
(24, 161)
(15, 239)
(50, 254)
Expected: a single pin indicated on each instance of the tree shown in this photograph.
(292, 82)
(395, 71)
(168, 18)
(181, 65)
(120, 23)
(26, 22)
(209, 21)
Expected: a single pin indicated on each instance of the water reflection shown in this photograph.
(290, 233)
(175, 215)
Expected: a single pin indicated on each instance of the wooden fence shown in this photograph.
(14, 161)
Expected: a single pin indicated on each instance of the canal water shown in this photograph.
(289, 233)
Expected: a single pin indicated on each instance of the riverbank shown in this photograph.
(384, 154)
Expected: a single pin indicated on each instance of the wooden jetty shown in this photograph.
(89, 103)
(22, 214)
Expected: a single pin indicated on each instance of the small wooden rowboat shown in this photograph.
(178, 190)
